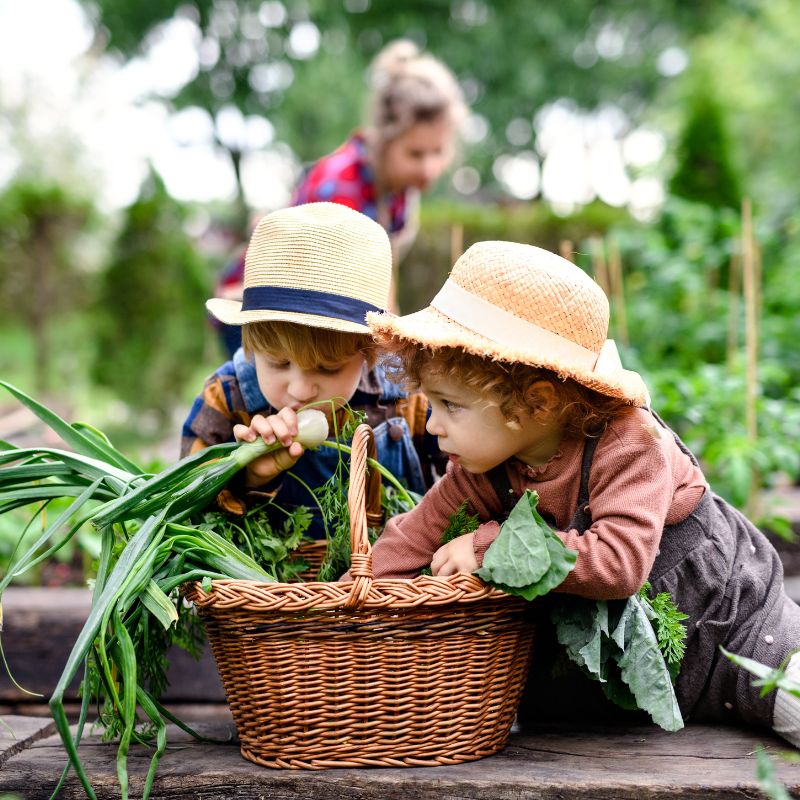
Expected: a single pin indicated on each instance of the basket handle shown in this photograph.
(364, 504)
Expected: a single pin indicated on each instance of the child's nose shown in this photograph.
(432, 425)
(302, 387)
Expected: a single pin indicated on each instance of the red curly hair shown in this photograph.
(580, 411)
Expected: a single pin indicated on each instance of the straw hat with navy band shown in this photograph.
(320, 264)
(521, 304)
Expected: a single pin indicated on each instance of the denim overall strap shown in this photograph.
(254, 400)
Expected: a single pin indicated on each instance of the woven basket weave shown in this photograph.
(420, 672)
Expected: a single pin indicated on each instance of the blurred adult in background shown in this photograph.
(415, 110)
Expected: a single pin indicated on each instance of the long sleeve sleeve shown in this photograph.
(409, 540)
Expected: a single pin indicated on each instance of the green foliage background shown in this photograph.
(105, 311)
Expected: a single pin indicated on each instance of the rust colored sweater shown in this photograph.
(640, 481)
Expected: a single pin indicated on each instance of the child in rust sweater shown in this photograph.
(527, 392)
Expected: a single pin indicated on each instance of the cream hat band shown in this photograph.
(504, 328)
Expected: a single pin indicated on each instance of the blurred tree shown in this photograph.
(40, 276)
(511, 57)
(754, 69)
(150, 307)
(705, 172)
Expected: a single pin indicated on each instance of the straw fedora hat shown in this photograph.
(518, 303)
(319, 264)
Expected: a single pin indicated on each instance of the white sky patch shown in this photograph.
(643, 147)
(672, 61)
(474, 129)
(196, 172)
(172, 57)
(647, 197)
(607, 170)
(304, 39)
(192, 125)
(519, 174)
(268, 178)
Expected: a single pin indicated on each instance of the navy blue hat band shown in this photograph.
(306, 301)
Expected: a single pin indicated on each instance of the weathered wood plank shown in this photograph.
(549, 763)
(17, 733)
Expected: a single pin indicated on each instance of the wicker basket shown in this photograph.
(420, 672)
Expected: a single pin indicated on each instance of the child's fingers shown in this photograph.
(289, 417)
(266, 468)
(242, 433)
(438, 560)
(286, 459)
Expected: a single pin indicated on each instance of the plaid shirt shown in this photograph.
(345, 177)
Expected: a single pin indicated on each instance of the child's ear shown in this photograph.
(541, 398)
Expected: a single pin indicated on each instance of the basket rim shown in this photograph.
(394, 593)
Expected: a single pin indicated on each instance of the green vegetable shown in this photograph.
(769, 678)
(633, 647)
(527, 558)
(667, 620)
(147, 552)
(614, 642)
(459, 523)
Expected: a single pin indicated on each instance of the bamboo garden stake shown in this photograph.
(599, 263)
(751, 292)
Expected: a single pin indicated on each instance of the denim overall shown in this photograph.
(395, 448)
(721, 571)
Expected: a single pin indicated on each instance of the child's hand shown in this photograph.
(455, 556)
(280, 427)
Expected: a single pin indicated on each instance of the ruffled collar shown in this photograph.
(538, 472)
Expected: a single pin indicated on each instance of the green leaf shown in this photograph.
(562, 561)
(90, 445)
(580, 627)
(768, 677)
(159, 605)
(767, 779)
(645, 671)
(519, 556)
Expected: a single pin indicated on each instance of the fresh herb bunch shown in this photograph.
(667, 620)
(458, 523)
(255, 533)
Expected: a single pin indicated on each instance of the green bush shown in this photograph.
(152, 329)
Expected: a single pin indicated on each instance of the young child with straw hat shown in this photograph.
(526, 392)
(312, 273)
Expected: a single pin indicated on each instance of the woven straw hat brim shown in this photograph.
(230, 313)
(434, 330)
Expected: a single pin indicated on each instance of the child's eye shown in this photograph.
(329, 370)
(279, 365)
(450, 405)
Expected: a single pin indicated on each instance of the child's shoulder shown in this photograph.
(639, 429)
